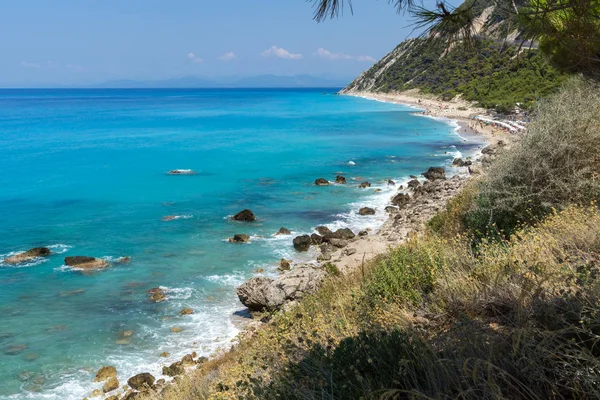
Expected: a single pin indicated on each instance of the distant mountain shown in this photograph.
(497, 72)
(261, 81)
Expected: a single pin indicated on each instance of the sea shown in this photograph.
(85, 172)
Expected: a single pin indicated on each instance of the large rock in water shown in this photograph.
(364, 185)
(239, 238)
(321, 182)
(28, 255)
(341, 180)
(85, 262)
(260, 294)
(366, 211)
(283, 231)
(302, 243)
(435, 173)
(141, 381)
(245, 216)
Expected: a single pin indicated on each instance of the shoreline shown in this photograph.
(460, 111)
(394, 230)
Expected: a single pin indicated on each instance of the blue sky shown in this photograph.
(86, 41)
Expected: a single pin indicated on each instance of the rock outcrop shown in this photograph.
(157, 295)
(28, 255)
(302, 243)
(259, 294)
(105, 373)
(321, 182)
(340, 180)
(244, 216)
(143, 381)
(435, 173)
(401, 200)
(364, 185)
(85, 262)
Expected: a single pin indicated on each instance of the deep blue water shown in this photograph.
(84, 171)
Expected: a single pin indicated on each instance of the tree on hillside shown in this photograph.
(567, 31)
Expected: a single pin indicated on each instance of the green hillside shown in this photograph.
(492, 72)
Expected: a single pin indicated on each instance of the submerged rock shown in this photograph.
(85, 262)
(302, 243)
(244, 216)
(435, 173)
(239, 238)
(181, 172)
(186, 311)
(141, 381)
(28, 255)
(366, 211)
(157, 295)
(321, 182)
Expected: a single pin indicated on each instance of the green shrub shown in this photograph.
(557, 163)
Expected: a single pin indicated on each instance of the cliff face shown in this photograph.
(496, 72)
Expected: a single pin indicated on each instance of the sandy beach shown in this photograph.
(457, 109)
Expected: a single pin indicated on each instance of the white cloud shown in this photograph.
(230, 56)
(321, 52)
(27, 64)
(281, 53)
(195, 59)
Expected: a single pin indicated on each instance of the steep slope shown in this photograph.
(497, 72)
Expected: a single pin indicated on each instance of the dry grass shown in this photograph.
(517, 320)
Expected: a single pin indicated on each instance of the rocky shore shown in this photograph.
(338, 252)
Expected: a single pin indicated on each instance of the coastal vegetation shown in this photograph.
(498, 298)
(497, 53)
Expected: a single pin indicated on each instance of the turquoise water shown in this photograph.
(84, 171)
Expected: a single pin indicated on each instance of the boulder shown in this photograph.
(435, 173)
(244, 216)
(321, 182)
(302, 243)
(186, 311)
(283, 231)
(188, 359)
(366, 211)
(111, 384)
(339, 243)
(84, 262)
(323, 230)
(364, 185)
(28, 255)
(174, 369)
(391, 209)
(414, 183)
(260, 294)
(141, 381)
(316, 239)
(391, 183)
(104, 373)
(459, 162)
(285, 265)
(340, 180)
(157, 295)
(239, 238)
(401, 200)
